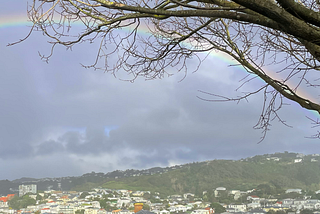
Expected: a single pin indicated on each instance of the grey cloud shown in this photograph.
(49, 147)
(158, 122)
(72, 138)
(93, 142)
(20, 108)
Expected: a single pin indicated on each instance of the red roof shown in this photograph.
(4, 199)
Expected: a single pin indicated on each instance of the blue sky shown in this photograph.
(60, 119)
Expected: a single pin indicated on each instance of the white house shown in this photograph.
(237, 207)
(253, 198)
(236, 194)
(219, 189)
(253, 205)
(91, 210)
(200, 211)
(186, 195)
(178, 208)
(164, 212)
(287, 202)
(123, 201)
(294, 190)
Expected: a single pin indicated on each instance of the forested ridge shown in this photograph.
(280, 170)
(242, 175)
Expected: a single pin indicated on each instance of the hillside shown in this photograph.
(243, 175)
(280, 170)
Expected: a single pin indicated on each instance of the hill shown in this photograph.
(279, 170)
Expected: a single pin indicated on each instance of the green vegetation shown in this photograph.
(84, 194)
(80, 211)
(20, 202)
(153, 183)
(105, 203)
(85, 186)
(218, 208)
(272, 177)
(146, 207)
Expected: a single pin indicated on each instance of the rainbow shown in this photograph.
(14, 21)
(19, 20)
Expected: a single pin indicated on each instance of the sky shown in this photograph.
(59, 119)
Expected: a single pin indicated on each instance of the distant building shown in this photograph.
(298, 160)
(236, 194)
(24, 189)
(219, 189)
(294, 190)
(275, 158)
(236, 208)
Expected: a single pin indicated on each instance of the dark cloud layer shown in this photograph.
(60, 114)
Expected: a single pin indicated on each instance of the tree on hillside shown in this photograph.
(146, 207)
(84, 194)
(39, 197)
(255, 33)
(218, 208)
(21, 202)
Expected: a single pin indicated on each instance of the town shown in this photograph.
(108, 201)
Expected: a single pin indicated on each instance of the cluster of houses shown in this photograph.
(122, 202)
(261, 206)
(129, 202)
(256, 205)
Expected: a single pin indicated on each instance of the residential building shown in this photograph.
(200, 211)
(236, 208)
(24, 189)
(294, 190)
